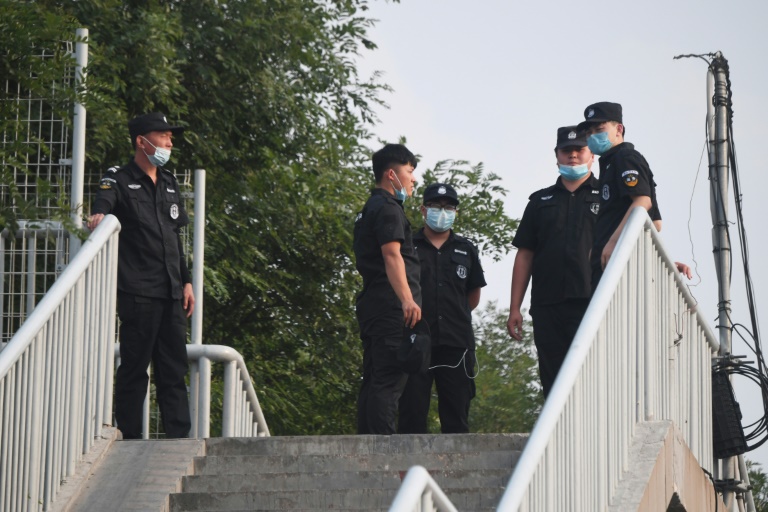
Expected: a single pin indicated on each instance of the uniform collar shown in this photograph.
(378, 191)
(617, 148)
(421, 236)
(589, 182)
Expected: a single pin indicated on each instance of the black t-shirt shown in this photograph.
(381, 221)
(447, 275)
(150, 255)
(557, 226)
(623, 173)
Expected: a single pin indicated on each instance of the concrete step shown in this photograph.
(335, 445)
(351, 499)
(447, 479)
(238, 465)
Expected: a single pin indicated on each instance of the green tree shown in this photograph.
(277, 114)
(508, 398)
(35, 64)
(759, 482)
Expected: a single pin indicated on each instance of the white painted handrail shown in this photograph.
(56, 377)
(420, 493)
(241, 412)
(642, 353)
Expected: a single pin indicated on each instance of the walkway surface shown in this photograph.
(138, 475)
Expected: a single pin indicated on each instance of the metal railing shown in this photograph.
(420, 493)
(642, 353)
(241, 413)
(56, 377)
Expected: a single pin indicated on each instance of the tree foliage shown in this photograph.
(34, 63)
(278, 115)
(759, 483)
(509, 397)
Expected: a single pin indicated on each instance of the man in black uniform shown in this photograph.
(553, 242)
(626, 181)
(154, 289)
(391, 296)
(451, 278)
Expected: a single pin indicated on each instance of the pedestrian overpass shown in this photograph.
(628, 425)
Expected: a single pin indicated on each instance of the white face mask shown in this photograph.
(160, 157)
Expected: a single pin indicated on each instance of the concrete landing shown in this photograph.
(138, 475)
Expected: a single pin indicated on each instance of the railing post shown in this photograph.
(228, 407)
(204, 406)
(648, 360)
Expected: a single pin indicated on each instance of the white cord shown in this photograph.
(462, 360)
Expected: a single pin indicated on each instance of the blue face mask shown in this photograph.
(598, 143)
(440, 219)
(161, 156)
(573, 172)
(400, 194)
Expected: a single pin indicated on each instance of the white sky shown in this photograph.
(491, 80)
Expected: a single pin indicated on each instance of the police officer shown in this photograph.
(391, 295)
(553, 242)
(154, 294)
(451, 278)
(626, 180)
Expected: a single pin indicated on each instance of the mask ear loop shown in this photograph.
(462, 360)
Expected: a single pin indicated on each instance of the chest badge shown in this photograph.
(134, 186)
(594, 208)
(170, 190)
(606, 192)
(174, 211)
(461, 271)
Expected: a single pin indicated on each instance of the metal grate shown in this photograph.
(40, 146)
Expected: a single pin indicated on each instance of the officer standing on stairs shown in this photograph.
(154, 287)
(451, 278)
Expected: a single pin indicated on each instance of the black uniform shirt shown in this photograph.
(623, 173)
(150, 255)
(382, 221)
(447, 275)
(557, 226)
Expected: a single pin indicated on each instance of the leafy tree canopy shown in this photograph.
(278, 115)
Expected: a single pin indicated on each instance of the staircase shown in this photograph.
(351, 473)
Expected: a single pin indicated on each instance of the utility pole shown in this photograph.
(732, 469)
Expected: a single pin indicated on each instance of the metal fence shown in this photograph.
(642, 353)
(56, 377)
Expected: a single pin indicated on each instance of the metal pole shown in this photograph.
(198, 256)
(718, 176)
(78, 141)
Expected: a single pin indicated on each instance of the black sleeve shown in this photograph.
(476, 277)
(525, 237)
(108, 195)
(633, 175)
(388, 224)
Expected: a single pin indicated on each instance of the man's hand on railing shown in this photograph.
(684, 269)
(189, 299)
(94, 220)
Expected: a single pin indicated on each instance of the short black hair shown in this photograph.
(390, 155)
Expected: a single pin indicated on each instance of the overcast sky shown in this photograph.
(490, 81)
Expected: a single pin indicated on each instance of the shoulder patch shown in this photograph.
(630, 178)
(113, 170)
(106, 183)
